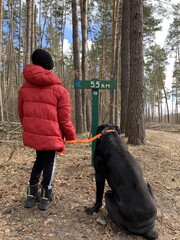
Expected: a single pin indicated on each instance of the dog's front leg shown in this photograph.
(100, 182)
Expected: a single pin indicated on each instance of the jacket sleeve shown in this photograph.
(20, 106)
(64, 116)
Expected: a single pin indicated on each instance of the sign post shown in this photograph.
(95, 84)
(95, 117)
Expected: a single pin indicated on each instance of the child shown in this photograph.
(44, 111)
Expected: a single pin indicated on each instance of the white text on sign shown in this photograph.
(98, 84)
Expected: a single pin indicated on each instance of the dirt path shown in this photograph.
(74, 187)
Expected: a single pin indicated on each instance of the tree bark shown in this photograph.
(1, 103)
(102, 67)
(28, 32)
(83, 5)
(114, 49)
(78, 92)
(136, 96)
(33, 18)
(125, 65)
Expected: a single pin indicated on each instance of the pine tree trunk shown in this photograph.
(125, 65)
(78, 92)
(88, 113)
(136, 96)
(1, 103)
(167, 106)
(28, 32)
(83, 5)
(176, 106)
(33, 18)
(117, 78)
(113, 69)
(172, 119)
(102, 69)
(113, 48)
(62, 41)
(159, 109)
(11, 68)
(19, 75)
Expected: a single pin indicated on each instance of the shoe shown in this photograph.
(32, 196)
(46, 199)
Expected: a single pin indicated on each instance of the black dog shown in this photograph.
(130, 202)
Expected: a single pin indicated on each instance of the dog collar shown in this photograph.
(106, 131)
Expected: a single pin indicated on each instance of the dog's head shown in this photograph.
(107, 126)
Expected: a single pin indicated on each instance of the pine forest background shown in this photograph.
(101, 47)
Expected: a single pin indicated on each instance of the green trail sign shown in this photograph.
(95, 84)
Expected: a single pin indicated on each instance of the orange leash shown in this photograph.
(84, 140)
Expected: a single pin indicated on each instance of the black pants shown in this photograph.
(45, 164)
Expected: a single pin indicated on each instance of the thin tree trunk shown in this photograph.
(10, 109)
(33, 18)
(78, 92)
(62, 40)
(19, 49)
(117, 78)
(125, 65)
(176, 106)
(84, 7)
(102, 67)
(148, 112)
(152, 113)
(116, 8)
(167, 106)
(177, 83)
(172, 119)
(1, 103)
(28, 32)
(88, 113)
(159, 109)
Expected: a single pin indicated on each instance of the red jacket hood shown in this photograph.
(39, 76)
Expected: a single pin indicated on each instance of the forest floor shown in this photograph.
(74, 187)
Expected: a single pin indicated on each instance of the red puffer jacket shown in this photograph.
(44, 110)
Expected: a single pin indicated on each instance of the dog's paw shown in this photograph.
(95, 208)
(152, 234)
(89, 211)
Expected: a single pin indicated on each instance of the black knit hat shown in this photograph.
(42, 58)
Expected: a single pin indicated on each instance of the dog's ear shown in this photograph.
(101, 128)
(118, 130)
